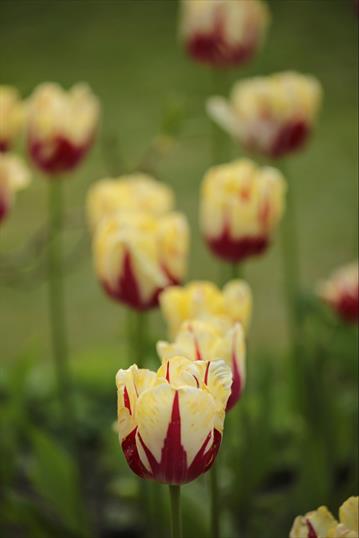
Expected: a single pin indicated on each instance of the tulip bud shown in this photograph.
(14, 176)
(212, 339)
(136, 192)
(341, 292)
(321, 524)
(171, 422)
(317, 524)
(200, 300)
(271, 115)
(223, 33)
(61, 126)
(241, 206)
(137, 255)
(11, 116)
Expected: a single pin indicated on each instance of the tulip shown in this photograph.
(11, 114)
(241, 205)
(61, 126)
(200, 300)
(341, 292)
(137, 255)
(321, 524)
(135, 192)
(171, 422)
(14, 176)
(211, 340)
(223, 33)
(271, 115)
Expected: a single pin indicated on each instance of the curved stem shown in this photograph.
(215, 512)
(175, 498)
(56, 299)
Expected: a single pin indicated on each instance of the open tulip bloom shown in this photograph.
(210, 340)
(203, 300)
(61, 126)
(223, 33)
(321, 524)
(271, 115)
(14, 176)
(241, 205)
(11, 116)
(135, 192)
(170, 423)
(137, 255)
(341, 292)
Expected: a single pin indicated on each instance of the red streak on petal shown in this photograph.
(130, 451)
(311, 531)
(126, 400)
(236, 389)
(168, 372)
(348, 306)
(196, 345)
(4, 145)
(290, 138)
(237, 249)
(264, 214)
(206, 373)
(204, 460)
(57, 155)
(126, 290)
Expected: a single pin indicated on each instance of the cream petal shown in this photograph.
(221, 113)
(348, 514)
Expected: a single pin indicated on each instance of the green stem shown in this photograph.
(291, 263)
(56, 299)
(219, 139)
(175, 498)
(215, 512)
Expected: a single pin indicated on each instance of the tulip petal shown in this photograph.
(348, 514)
(221, 113)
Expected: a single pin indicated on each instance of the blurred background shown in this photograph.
(129, 54)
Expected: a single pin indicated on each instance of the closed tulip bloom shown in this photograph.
(211, 340)
(202, 299)
(11, 116)
(240, 208)
(321, 524)
(341, 292)
(271, 115)
(135, 192)
(137, 255)
(14, 176)
(223, 33)
(171, 422)
(61, 126)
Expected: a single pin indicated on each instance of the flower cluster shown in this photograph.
(223, 33)
(341, 292)
(137, 255)
(271, 115)
(170, 423)
(135, 192)
(321, 524)
(14, 176)
(241, 205)
(12, 116)
(61, 126)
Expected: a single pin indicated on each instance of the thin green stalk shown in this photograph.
(56, 300)
(175, 498)
(215, 509)
(219, 139)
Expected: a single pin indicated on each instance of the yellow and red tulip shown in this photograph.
(202, 299)
(14, 176)
(341, 292)
(321, 523)
(271, 115)
(241, 205)
(223, 33)
(135, 192)
(61, 126)
(11, 116)
(211, 340)
(137, 255)
(170, 423)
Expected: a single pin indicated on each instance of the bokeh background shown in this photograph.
(128, 51)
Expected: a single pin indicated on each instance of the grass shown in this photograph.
(129, 54)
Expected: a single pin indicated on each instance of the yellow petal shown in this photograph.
(348, 514)
(320, 521)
